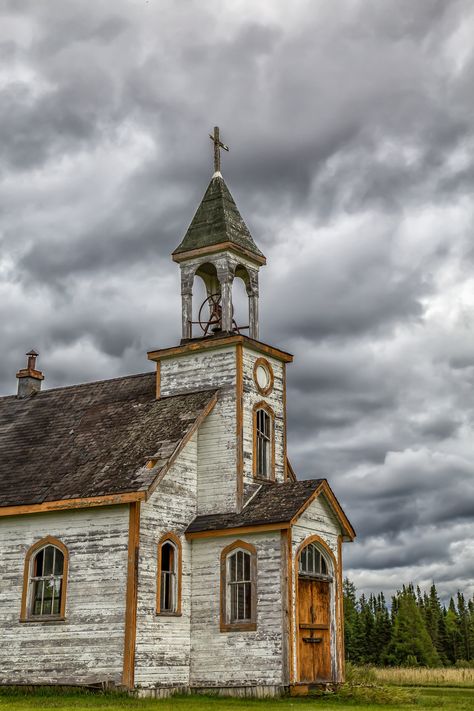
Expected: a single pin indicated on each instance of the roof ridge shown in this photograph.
(83, 385)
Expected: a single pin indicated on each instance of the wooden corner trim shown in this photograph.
(24, 612)
(262, 405)
(182, 444)
(251, 625)
(128, 674)
(237, 531)
(267, 365)
(173, 538)
(239, 425)
(64, 504)
(158, 379)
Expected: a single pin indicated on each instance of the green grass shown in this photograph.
(362, 698)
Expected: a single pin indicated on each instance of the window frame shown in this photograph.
(238, 626)
(271, 377)
(174, 540)
(270, 412)
(315, 575)
(26, 602)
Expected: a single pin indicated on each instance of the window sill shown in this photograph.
(238, 627)
(43, 620)
(168, 614)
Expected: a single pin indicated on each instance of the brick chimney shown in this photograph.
(29, 379)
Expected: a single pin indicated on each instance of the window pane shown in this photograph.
(48, 560)
(248, 601)
(247, 567)
(37, 596)
(57, 596)
(58, 563)
(240, 565)
(38, 566)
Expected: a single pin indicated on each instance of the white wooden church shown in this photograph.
(153, 535)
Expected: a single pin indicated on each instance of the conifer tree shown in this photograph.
(410, 643)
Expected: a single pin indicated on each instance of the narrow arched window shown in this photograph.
(44, 594)
(263, 442)
(238, 587)
(168, 597)
(312, 562)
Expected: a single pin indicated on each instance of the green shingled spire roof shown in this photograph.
(218, 222)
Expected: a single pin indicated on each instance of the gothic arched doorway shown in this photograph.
(314, 614)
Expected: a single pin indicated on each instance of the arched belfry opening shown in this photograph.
(219, 249)
(219, 312)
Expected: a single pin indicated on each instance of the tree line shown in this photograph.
(417, 630)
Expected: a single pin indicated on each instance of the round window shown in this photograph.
(263, 376)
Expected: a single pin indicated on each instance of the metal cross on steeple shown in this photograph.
(217, 149)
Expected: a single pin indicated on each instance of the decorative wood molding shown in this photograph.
(128, 675)
(335, 581)
(172, 538)
(262, 405)
(291, 613)
(24, 613)
(250, 626)
(64, 504)
(265, 364)
(203, 344)
(219, 247)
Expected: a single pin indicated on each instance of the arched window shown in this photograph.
(45, 580)
(264, 446)
(238, 587)
(312, 562)
(168, 588)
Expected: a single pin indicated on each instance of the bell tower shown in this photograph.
(219, 248)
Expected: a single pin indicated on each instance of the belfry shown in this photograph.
(219, 248)
(153, 534)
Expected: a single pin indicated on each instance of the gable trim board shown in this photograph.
(333, 503)
(219, 247)
(237, 530)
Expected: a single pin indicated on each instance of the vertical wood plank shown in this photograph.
(131, 598)
(158, 380)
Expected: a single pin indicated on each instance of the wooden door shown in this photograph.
(314, 636)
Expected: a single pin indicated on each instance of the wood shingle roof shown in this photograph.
(92, 439)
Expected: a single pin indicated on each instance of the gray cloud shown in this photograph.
(351, 161)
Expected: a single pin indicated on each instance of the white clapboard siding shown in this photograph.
(276, 401)
(217, 436)
(88, 647)
(220, 659)
(318, 519)
(163, 643)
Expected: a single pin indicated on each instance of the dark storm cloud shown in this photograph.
(351, 161)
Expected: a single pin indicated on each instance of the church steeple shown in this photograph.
(218, 247)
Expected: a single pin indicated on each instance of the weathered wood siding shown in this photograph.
(217, 436)
(318, 519)
(238, 659)
(276, 401)
(87, 647)
(163, 644)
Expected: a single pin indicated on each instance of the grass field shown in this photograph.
(426, 699)
(420, 676)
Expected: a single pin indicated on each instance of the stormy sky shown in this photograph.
(352, 143)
